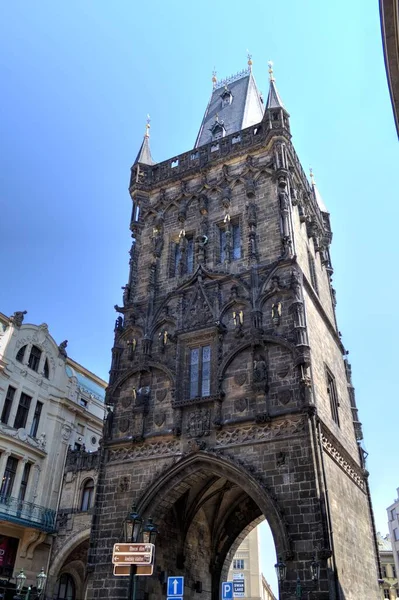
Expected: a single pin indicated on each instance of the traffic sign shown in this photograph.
(175, 586)
(124, 570)
(174, 598)
(132, 559)
(239, 588)
(127, 548)
(133, 554)
(227, 590)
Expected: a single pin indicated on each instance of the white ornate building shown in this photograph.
(48, 404)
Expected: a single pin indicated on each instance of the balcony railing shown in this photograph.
(27, 514)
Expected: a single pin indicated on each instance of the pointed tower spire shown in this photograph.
(144, 156)
(275, 113)
(273, 98)
(316, 192)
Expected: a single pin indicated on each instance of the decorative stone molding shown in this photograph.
(22, 436)
(250, 434)
(343, 460)
(146, 450)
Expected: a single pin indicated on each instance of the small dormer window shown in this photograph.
(218, 133)
(227, 97)
(218, 129)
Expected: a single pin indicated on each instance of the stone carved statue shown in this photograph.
(18, 317)
(62, 348)
(119, 324)
(108, 421)
(259, 370)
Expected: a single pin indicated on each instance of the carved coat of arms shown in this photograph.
(198, 422)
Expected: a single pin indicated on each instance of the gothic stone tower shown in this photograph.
(230, 399)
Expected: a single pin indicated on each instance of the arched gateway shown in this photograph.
(230, 399)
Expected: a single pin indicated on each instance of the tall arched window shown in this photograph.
(20, 354)
(46, 369)
(87, 495)
(34, 358)
(66, 588)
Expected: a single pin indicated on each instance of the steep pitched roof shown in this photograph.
(144, 156)
(273, 98)
(245, 108)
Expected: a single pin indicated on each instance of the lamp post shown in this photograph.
(134, 532)
(41, 579)
(281, 571)
(20, 578)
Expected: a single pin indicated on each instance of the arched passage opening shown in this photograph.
(204, 506)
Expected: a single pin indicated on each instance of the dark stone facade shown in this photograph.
(263, 441)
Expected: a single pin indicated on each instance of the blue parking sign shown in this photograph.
(175, 586)
(227, 590)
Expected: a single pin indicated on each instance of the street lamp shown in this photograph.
(133, 531)
(132, 525)
(150, 532)
(315, 569)
(20, 579)
(41, 582)
(281, 570)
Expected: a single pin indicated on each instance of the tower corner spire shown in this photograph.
(144, 155)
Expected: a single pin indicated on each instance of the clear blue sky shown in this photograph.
(78, 79)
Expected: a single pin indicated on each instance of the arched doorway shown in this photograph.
(204, 506)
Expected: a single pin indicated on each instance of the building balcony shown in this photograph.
(27, 514)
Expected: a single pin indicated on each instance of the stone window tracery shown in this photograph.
(200, 371)
(332, 393)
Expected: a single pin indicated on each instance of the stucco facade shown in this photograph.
(48, 404)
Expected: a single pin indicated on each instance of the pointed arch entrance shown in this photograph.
(204, 506)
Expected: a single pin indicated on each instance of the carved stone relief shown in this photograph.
(198, 422)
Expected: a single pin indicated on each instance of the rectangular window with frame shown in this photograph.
(229, 242)
(393, 514)
(238, 563)
(332, 394)
(200, 372)
(24, 482)
(23, 410)
(9, 477)
(312, 272)
(396, 534)
(36, 419)
(5, 414)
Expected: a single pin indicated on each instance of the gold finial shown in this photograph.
(249, 56)
(214, 79)
(271, 76)
(312, 181)
(147, 127)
